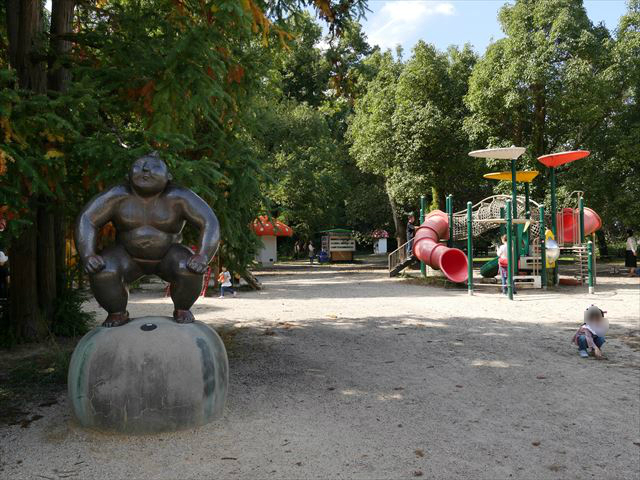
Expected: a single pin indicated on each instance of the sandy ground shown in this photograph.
(344, 373)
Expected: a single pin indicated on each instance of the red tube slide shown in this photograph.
(568, 218)
(428, 249)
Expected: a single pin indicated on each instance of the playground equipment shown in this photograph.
(426, 247)
(525, 221)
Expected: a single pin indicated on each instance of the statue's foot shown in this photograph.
(116, 319)
(183, 316)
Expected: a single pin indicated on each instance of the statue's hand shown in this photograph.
(197, 263)
(94, 264)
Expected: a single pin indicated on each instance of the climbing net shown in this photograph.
(486, 216)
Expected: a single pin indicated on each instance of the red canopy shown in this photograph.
(557, 159)
(263, 227)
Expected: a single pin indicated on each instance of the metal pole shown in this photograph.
(543, 251)
(509, 250)
(581, 210)
(590, 248)
(514, 189)
(450, 220)
(527, 215)
(448, 209)
(470, 246)
(423, 203)
(554, 219)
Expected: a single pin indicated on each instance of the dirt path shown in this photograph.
(344, 373)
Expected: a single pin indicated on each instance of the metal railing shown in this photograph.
(398, 256)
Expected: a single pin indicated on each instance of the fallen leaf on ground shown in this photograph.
(419, 452)
(540, 377)
(536, 443)
(417, 473)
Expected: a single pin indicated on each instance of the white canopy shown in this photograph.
(509, 153)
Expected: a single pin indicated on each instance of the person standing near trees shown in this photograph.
(631, 254)
(411, 232)
(312, 252)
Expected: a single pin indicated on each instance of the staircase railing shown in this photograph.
(398, 256)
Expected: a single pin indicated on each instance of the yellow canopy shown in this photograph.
(526, 176)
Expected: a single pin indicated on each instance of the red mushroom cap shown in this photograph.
(263, 227)
(557, 159)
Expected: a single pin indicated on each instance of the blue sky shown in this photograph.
(447, 22)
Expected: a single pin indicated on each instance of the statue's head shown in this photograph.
(149, 174)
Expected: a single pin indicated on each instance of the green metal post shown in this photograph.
(590, 257)
(450, 220)
(514, 203)
(543, 251)
(581, 223)
(554, 219)
(509, 250)
(423, 206)
(514, 189)
(527, 215)
(448, 209)
(470, 246)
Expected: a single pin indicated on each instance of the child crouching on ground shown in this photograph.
(591, 334)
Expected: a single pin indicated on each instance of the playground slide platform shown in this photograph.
(568, 233)
(428, 249)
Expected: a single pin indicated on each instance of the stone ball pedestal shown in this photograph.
(150, 375)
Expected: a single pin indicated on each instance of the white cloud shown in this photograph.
(399, 20)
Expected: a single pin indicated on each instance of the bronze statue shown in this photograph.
(148, 214)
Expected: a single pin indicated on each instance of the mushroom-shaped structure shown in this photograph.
(509, 153)
(560, 158)
(525, 176)
(268, 231)
(379, 240)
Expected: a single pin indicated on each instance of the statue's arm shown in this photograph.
(97, 213)
(199, 213)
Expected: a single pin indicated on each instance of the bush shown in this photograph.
(69, 319)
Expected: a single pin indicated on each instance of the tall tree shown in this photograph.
(536, 87)
(371, 130)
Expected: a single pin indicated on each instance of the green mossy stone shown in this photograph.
(150, 375)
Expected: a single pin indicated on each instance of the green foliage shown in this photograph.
(69, 318)
(557, 82)
(300, 159)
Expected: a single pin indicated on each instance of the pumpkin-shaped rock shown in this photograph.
(150, 375)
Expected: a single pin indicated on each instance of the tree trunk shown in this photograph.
(25, 316)
(539, 120)
(435, 200)
(60, 247)
(46, 263)
(401, 234)
(29, 52)
(58, 80)
(61, 24)
(24, 28)
(602, 243)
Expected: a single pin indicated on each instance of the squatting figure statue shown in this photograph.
(148, 213)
